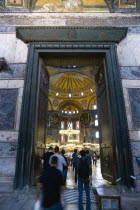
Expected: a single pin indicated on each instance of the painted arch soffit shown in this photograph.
(68, 5)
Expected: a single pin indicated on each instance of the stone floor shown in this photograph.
(25, 200)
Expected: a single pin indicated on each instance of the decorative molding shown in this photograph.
(71, 34)
(23, 169)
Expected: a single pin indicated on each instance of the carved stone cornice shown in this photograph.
(71, 34)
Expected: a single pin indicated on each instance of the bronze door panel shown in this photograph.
(41, 117)
(106, 133)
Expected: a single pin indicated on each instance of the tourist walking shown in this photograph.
(46, 157)
(61, 160)
(94, 158)
(89, 156)
(51, 182)
(83, 181)
(98, 154)
(65, 168)
(75, 161)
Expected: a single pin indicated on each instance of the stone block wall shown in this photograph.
(128, 51)
(11, 91)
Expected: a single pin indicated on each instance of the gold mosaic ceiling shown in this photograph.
(71, 87)
(67, 83)
(71, 82)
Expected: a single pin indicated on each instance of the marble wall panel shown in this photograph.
(134, 135)
(14, 71)
(134, 97)
(135, 146)
(128, 50)
(8, 47)
(128, 84)
(8, 149)
(21, 52)
(130, 72)
(7, 29)
(7, 166)
(8, 136)
(8, 108)
(134, 29)
(136, 167)
(10, 85)
(13, 49)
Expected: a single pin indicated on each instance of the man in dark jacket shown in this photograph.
(46, 158)
(51, 181)
(75, 161)
(83, 181)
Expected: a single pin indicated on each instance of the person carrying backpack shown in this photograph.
(75, 161)
(83, 181)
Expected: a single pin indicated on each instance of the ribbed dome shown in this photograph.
(70, 82)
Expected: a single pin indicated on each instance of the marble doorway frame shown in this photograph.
(24, 171)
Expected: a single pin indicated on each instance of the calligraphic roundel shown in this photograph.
(54, 119)
(85, 118)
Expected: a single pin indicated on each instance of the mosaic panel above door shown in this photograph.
(69, 5)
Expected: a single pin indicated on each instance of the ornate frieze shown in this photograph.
(77, 34)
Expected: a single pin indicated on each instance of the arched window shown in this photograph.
(62, 125)
(97, 134)
(77, 125)
(62, 137)
(70, 125)
(96, 122)
(94, 106)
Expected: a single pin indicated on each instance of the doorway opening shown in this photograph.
(73, 110)
(53, 93)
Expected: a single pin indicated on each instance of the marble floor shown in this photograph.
(25, 200)
(97, 179)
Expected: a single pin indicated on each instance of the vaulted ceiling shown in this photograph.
(71, 86)
(71, 82)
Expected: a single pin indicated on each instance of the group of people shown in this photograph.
(52, 180)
